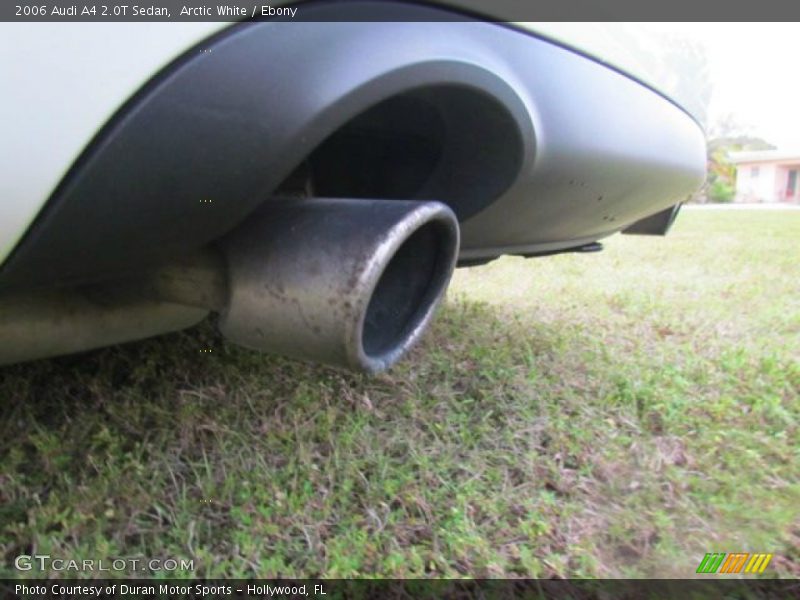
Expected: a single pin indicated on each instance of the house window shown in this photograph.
(754, 171)
(791, 185)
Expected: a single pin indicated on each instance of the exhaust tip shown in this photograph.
(344, 282)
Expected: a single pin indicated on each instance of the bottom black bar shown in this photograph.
(331, 589)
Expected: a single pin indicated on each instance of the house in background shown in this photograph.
(767, 176)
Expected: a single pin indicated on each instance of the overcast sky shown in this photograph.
(755, 73)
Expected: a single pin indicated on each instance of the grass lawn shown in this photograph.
(608, 415)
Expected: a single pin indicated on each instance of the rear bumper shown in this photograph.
(593, 150)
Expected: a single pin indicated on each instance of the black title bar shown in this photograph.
(497, 10)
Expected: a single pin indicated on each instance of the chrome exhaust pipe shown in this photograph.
(349, 283)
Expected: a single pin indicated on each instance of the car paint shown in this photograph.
(63, 81)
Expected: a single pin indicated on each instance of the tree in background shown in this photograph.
(725, 136)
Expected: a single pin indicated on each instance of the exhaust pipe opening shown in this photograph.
(406, 290)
